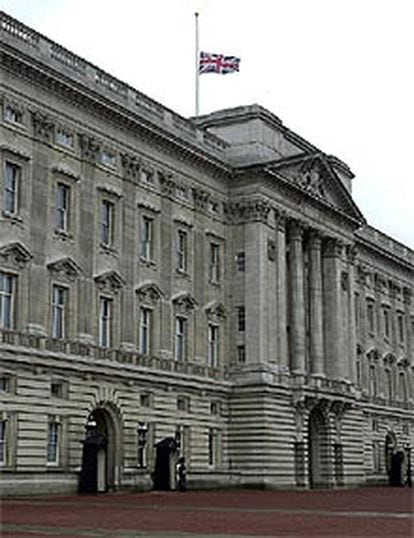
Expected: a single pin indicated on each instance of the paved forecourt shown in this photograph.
(367, 512)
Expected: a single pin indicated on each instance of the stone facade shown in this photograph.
(207, 280)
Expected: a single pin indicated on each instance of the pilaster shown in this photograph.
(315, 305)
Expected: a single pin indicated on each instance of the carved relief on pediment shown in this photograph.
(110, 281)
(200, 198)
(310, 178)
(247, 211)
(149, 294)
(42, 126)
(167, 184)
(184, 303)
(215, 311)
(15, 254)
(66, 268)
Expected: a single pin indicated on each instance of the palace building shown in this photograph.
(201, 287)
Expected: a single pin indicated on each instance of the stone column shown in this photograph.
(281, 287)
(351, 255)
(332, 313)
(297, 298)
(315, 305)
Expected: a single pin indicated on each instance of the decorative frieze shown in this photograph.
(43, 126)
(131, 166)
(247, 211)
(90, 147)
(168, 185)
(200, 198)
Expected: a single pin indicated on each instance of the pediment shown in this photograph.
(110, 280)
(66, 267)
(15, 253)
(314, 175)
(149, 293)
(215, 311)
(184, 302)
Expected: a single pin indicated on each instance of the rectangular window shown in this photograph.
(388, 378)
(212, 447)
(183, 403)
(105, 322)
(13, 114)
(142, 433)
(4, 383)
(107, 222)
(214, 268)
(53, 442)
(241, 354)
(357, 311)
(181, 251)
(145, 399)
(146, 249)
(213, 346)
(371, 317)
(59, 300)
(241, 262)
(64, 138)
(7, 300)
(241, 318)
(3, 441)
(12, 179)
(58, 389)
(400, 324)
(145, 331)
(180, 338)
(386, 317)
(372, 381)
(403, 389)
(62, 207)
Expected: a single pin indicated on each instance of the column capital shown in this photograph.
(280, 219)
(315, 239)
(351, 253)
(333, 247)
(296, 229)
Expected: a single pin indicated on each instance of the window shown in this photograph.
(108, 158)
(400, 325)
(12, 179)
(62, 207)
(215, 408)
(357, 311)
(241, 262)
(105, 322)
(58, 389)
(388, 378)
(59, 299)
(241, 318)
(64, 138)
(214, 269)
(241, 354)
(145, 331)
(7, 300)
(146, 250)
(372, 380)
(145, 399)
(370, 317)
(180, 338)
(183, 403)
(13, 114)
(403, 389)
(53, 442)
(107, 222)
(376, 456)
(5, 383)
(212, 447)
(182, 251)
(3, 441)
(213, 345)
(386, 317)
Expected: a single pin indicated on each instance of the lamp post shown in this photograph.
(142, 432)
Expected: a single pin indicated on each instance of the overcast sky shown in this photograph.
(338, 72)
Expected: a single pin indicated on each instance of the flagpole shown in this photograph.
(197, 79)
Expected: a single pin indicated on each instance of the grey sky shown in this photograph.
(339, 72)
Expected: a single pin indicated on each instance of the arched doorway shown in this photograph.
(318, 450)
(101, 456)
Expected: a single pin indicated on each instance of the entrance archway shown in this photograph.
(101, 456)
(318, 450)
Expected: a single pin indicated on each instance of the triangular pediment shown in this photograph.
(314, 175)
(149, 292)
(111, 280)
(184, 302)
(65, 266)
(16, 253)
(215, 310)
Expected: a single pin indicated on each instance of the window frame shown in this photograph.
(180, 338)
(214, 272)
(63, 209)
(107, 223)
(54, 433)
(145, 315)
(17, 179)
(61, 309)
(213, 345)
(12, 296)
(182, 251)
(105, 330)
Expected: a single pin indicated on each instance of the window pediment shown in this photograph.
(184, 302)
(109, 280)
(66, 267)
(149, 293)
(16, 254)
(215, 311)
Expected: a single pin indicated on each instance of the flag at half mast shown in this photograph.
(217, 63)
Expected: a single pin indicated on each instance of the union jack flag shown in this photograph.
(217, 63)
